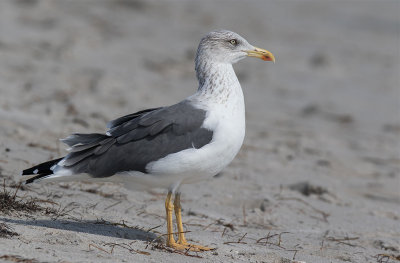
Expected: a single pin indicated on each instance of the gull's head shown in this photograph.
(225, 46)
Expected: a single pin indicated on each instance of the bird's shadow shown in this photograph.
(90, 227)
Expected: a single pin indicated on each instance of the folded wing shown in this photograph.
(135, 140)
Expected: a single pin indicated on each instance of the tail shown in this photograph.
(82, 147)
(40, 171)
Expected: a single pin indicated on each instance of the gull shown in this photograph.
(167, 147)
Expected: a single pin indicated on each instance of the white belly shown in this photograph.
(223, 101)
(227, 121)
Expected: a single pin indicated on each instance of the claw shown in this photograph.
(188, 247)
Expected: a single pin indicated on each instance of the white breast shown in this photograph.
(226, 118)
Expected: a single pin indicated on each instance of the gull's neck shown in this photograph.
(217, 81)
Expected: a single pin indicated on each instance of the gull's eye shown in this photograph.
(233, 42)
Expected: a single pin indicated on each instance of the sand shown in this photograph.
(317, 179)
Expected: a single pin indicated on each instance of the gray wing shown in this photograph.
(135, 140)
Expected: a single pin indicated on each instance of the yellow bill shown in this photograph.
(261, 53)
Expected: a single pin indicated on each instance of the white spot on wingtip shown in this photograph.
(35, 171)
(108, 133)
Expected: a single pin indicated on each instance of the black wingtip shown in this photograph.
(43, 168)
(28, 171)
(40, 176)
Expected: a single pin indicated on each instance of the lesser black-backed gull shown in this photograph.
(168, 146)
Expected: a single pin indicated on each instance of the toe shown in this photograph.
(193, 247)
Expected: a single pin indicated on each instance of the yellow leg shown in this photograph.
(170, 228)
(181, 234)
(178, 215)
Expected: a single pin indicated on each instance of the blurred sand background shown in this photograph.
(317, 179)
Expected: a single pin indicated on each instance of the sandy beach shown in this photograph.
(317, 178)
